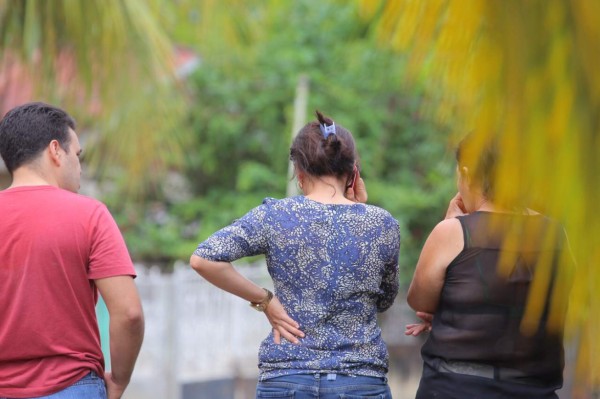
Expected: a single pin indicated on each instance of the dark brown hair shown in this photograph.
(27, 129)
(316, 155)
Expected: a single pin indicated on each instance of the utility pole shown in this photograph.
(300, 104)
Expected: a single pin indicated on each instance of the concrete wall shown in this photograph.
(203, 341)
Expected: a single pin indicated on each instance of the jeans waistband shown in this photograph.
(311, 378)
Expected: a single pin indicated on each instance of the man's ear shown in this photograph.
(53, 150)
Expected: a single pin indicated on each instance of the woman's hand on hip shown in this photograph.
(283, 325)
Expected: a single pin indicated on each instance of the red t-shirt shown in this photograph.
(53, 244)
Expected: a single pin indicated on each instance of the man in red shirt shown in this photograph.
(57, 250)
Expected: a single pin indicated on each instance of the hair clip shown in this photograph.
(327, 130)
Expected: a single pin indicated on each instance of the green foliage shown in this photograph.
(241, 123)
(237, 121)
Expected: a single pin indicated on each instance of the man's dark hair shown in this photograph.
(27, 129)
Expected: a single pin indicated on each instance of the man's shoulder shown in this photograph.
(48, 193)
(80, 199)
(78, 204)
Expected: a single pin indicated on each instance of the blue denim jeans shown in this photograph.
(89, 387)
(323, 386)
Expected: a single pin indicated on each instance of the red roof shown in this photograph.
(16, 80)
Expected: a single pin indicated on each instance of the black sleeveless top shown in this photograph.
(480, 311)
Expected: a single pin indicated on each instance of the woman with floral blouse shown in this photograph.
(334, 264)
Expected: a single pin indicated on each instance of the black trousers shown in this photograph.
(438, 385)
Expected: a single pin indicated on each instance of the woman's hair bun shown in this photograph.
(320, 151)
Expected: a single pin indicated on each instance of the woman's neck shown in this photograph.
(482, 204)
(486, 205)
(325, 189)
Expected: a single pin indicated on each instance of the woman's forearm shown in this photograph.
(224, 276)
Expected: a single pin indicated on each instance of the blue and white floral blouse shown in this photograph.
(334, 267)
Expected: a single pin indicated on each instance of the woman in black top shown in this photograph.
(474, 275)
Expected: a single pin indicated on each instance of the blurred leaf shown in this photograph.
(109, 64)
(523, 72)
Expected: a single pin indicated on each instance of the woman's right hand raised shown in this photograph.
(456, 207)
(283, 325)
(358, 192)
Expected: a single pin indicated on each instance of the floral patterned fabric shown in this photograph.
(334, 267)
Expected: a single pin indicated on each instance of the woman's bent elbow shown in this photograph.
(197, 263)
